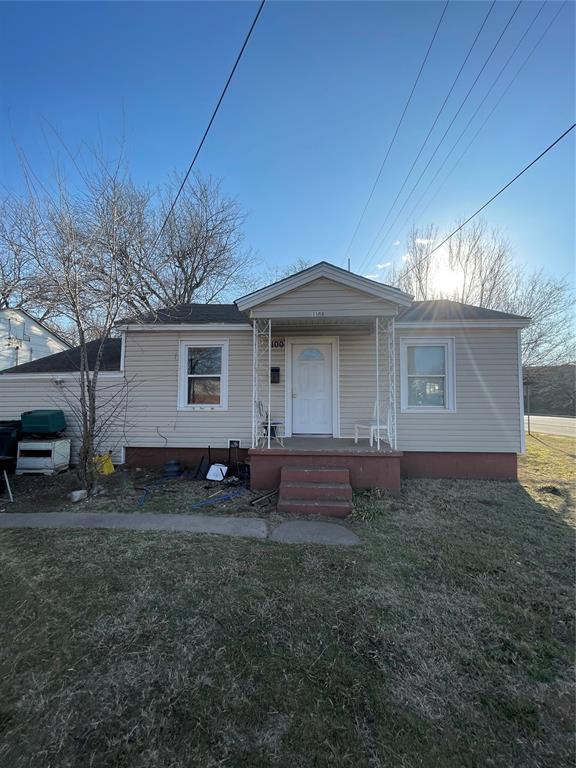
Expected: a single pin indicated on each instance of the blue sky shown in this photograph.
(309, 116)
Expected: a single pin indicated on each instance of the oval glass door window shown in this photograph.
(310, 353)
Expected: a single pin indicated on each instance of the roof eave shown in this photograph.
(184, 327)
(468, 323)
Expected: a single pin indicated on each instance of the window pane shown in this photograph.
(426, 392)
(426, 361)
(204, 360)
(310, 354)
(204, 391)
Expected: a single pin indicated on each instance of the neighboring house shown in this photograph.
(307, 362)
(24, 339)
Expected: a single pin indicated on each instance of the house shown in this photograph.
(293, 371)
(23, 339)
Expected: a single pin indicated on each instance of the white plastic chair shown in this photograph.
(371, 425)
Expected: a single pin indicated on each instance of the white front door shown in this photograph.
(312, 389)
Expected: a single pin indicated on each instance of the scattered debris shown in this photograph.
(173, 468)
(217, 472)
(76, 496)
(265, 497)
(216, 499)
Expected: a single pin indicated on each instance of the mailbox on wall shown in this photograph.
(275, 375)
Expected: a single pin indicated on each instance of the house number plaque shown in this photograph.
(277, 343)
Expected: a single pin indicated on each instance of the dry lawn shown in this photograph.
(446, 639)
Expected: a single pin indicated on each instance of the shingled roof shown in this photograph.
(190, 313)
(443, 310)
(69, 360)
(435, 311)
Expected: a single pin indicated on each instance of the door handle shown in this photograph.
(294, 395)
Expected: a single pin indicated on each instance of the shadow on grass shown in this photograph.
(446, 640)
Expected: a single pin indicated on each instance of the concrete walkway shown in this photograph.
(293, 531)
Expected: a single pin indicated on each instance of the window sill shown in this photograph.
(427, 409)
(201, 408)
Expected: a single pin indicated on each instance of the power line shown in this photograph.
(496, 105)
(471, 48)
(400, 121)
(487, 203)
(480, 105)
(208, 127)
(439, 144)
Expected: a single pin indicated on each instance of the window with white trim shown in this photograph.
(427, 374)
(203, 375)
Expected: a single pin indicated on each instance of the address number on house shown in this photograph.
(277, 343)
(317, 313)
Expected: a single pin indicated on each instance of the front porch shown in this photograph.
(324, 399)
(365, 466)
(326, 379)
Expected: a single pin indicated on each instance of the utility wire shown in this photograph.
(496, 105)
(400, 121)
(471, 48)
(487, 203)
(208, 127)
(439, 144)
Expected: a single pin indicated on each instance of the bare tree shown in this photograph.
(78, 240)
(199, 256)
(279, 273)
(417, 281)
(477, 267)
(19, 287)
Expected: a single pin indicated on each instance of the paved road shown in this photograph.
(552, 425)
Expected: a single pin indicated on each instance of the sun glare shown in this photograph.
(446, 280)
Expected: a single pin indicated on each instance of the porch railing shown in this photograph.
(261, 384)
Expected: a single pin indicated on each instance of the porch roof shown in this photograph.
(331, 272)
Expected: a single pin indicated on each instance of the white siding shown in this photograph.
(19, 394)
(23, 340)
(151, 361)
(487, 395)
(325, 296)
(487, 416)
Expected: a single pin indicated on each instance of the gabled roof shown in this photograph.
(189, 314)
(444, 311)
(38, 322)
(69, 360)
(330, 271)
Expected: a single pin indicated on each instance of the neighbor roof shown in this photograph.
(443, 310)
(69, 360)
(190, 313)
(38, 322)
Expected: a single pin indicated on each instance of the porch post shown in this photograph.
(254, 382)
(377, 335)
(392, 382)
(269, 377)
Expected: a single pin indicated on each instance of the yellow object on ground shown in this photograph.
(104, 464)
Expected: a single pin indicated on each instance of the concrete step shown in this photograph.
(291, 474)
(333, 507)
(316, 491)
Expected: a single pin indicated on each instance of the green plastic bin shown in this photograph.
(43, 422)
